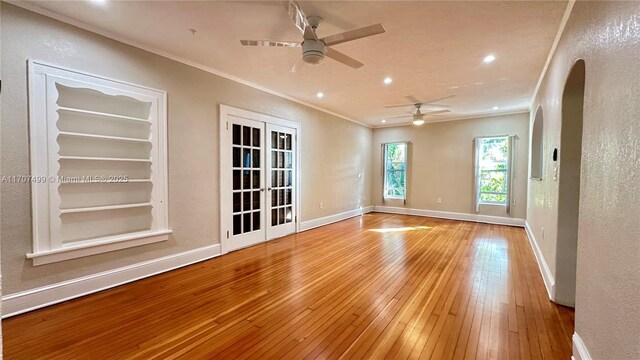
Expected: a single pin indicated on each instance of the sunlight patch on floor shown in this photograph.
(400, 229)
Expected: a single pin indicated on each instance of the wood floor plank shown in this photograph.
(380, 286)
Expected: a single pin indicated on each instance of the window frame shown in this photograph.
(506, 170)
(386, 189)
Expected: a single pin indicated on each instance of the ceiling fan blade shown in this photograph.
(296, 65)
(270, 43)
(436, 112)
(340, 57)
(432, 101)
(299, 19)
(412, 99)
(436, 105)
(428, 103)
(399, 117)
(354, 34)
(399, 105)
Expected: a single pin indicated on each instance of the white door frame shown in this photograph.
(225, 163)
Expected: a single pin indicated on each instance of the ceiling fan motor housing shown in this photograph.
(313, 51)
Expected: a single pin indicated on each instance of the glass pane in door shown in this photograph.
(281, 168)
(247, 172)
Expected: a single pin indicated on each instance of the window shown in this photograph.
(98, 164)
(493, 172)
(395, 171)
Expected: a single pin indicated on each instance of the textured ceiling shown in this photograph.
(430, 49)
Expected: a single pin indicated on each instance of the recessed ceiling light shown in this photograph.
(98, 1)
(388, 80)
(495, 108)
(384, 121)
(489, 59)
(320, 95)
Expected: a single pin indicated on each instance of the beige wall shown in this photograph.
(607, 36)
(441, 163)
(336, 161)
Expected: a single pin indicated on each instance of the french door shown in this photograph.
(281, 170)
(247, 172)
(258, 181)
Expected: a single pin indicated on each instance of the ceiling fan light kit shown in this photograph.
(313, 52)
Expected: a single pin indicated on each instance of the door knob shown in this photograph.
(262, 189)
(269, 189)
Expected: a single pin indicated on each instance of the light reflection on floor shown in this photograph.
(399, 229)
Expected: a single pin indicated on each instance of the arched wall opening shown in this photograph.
(569, 184)
(536, 145)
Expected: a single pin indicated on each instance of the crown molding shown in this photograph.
(552, 51)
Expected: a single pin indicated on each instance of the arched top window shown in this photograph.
(536, 145)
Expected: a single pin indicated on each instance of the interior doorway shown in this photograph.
(259, 178)
(569, 184)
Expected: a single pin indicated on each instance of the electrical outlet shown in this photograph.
(439, 200)
(321, 205)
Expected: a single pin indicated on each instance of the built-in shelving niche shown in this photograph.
(105, 146)
(95, 127)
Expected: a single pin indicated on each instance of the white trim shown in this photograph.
(24, 301)
(42, 11)
(498, 220)
(105, 245)
(547, 275)
(580, 351)
(467, 117)
(552, 51)
(311, 224)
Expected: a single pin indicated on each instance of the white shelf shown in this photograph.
(101, 114)
(103, 208)
(102, 158)
(136, 181)
(103, 137)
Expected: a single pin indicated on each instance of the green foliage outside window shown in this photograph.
(395, 170)
(494, 154)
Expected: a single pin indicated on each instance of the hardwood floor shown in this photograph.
(376, 286)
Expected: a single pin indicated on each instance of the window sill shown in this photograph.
(492, 204)
(394, 198)
(99, 246)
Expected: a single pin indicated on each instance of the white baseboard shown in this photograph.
(308, 225)
(24, 301)
(580, 351)
(547, 275)
(499, 220)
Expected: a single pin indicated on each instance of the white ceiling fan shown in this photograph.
(418, 116)
(315, 49)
